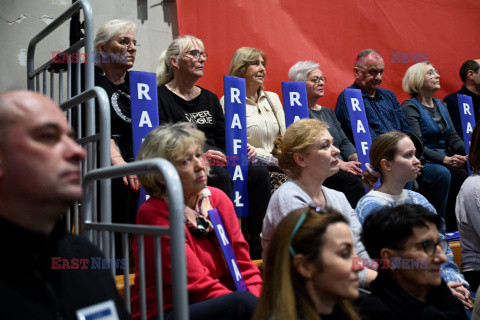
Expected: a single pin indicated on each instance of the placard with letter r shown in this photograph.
(144, 108)
(467, 118)
(236, 141)
(295, 101)
(358, 121)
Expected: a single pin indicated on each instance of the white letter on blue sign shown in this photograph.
(469, 127)
(222, 234)
(236, 121)
(236, 145)
(355, 104)
(238, 173)
(234, 94)
(238, 276)
(295, 98)
(143, 90)
(364, 147)
(466, 109)
(360, 127)
(238, 197)
(145, 119)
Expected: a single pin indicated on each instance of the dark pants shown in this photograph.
(459, 175)
(258, 198)
(351, 185)
(236, 305)
(473, 278)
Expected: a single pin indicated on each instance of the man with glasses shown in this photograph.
(382, 109)
(413, 254)
(470, 75)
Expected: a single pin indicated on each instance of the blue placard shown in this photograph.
(468, 120)
(236, 141)
(144, 106)
(227, 249)
(295, 101)
(360, 129)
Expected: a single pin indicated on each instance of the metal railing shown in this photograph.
(101, 234)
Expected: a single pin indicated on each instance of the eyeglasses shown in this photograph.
(374, 72)
(430, 246)
(432, 72)
(196, 54)
(317, 80)
(300, 222)
(127, 42)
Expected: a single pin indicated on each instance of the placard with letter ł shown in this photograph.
(236, 141)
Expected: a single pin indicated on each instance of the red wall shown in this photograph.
(447, 32)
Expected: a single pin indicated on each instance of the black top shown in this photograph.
(452, 103)
(205, 111)
(120, 112)
(340, 140)
(36, 284)
(389, 301)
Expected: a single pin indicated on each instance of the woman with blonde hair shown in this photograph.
(265, 115)
(180, 99)
(429, 119)
(348, 178)
(395, 161)
(212, 292)
(306, 153)
(311, 271)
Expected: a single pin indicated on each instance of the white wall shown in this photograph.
(21, 20)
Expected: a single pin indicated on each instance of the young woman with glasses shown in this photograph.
(180, 99)
(406, 243)
(311, 271)
(429, 119)
(395, 161)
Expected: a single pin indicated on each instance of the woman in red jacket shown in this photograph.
(211, 288)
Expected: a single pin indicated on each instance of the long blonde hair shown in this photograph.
(177, 49)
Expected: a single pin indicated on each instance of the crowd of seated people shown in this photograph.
(314, 258)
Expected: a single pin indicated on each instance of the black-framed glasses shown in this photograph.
(127, 42)
(432, 72)
(196, 54)
(316, 80)
(430, 246)
(309, 209)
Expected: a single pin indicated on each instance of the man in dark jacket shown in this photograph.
(45, 272)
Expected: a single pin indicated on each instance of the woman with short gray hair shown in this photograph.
(212, 292)
(348, 178)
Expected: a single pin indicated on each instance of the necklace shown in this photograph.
(320, 197)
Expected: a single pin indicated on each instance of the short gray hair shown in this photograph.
(112, 28)
(177, 49)
(300, 70)
(362, 56)
(168, 141)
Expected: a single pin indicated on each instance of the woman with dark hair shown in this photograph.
(467, 211)
(348, 178)
(211, 288)
(311, 268)
(394, 160)
(429, 119)
(406, 243)
(180, 99)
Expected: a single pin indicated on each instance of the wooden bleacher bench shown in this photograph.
(120, 283)
(457, 253)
